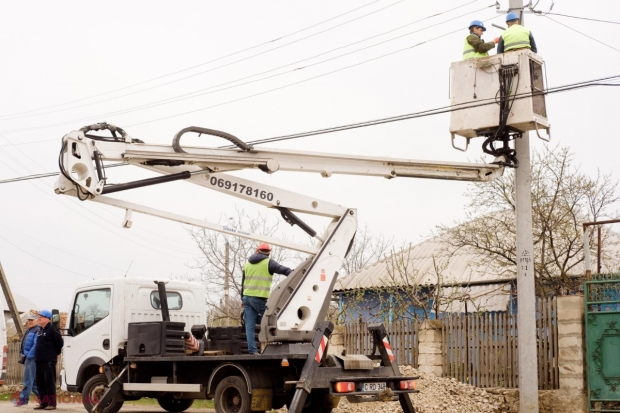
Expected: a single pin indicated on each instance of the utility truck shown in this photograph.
(115, 354)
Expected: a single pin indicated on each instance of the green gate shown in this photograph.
(602, 315)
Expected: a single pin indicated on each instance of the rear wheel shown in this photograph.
(173, 405)
(93, 391)
(231, 396)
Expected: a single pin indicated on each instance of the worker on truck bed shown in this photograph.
(257, 276)
(474, 45)
(515, 36)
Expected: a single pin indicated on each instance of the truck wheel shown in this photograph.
(231, 396)
(93, 391)
(173, 405)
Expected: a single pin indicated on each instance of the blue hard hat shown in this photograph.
(477, 23)
(46, 314)
(512, 16)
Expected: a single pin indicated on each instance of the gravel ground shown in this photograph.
(437, 395)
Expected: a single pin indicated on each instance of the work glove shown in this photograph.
(496, 40)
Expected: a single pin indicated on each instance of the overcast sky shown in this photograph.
(66, 64)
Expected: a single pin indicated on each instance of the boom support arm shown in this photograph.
(297, 303)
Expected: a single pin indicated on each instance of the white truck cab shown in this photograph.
(100, 311)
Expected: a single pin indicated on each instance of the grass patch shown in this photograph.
(5, 397)
(147, 401)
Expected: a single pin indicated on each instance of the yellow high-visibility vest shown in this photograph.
(516, 37)
(470, 53)
(257, 281)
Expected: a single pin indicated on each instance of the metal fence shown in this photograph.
(480, 348)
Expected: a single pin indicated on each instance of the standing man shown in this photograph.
(515, 36)
(48, 347)
(256, 283)
(474, 45)
(29, 341)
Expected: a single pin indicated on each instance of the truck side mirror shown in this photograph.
(56, 318)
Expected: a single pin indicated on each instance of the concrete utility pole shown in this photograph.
(526, 296)
(11, 302)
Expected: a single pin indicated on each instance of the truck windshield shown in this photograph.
(90, 307)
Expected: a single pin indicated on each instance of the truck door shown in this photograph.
(91, 331)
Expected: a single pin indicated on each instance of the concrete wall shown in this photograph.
(430, 357)
(572, 348)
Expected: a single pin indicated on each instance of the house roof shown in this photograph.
(422, 263)
(23, 304)
(417, 264)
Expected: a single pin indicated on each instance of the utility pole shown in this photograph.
(227, 283)
(526, 295)
(11, 302)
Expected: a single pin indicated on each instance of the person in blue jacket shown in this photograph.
(29, 342)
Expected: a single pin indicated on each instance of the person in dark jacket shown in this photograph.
(256, 283)
(27, 349)
(474, 46)
(48, 347)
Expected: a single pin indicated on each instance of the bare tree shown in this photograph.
(366, 249)
(562, 199)
(212, 263)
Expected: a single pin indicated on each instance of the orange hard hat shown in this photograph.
(263, 246)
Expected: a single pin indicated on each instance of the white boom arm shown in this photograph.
(303, 298)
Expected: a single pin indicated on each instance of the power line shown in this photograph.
(577, 31)
(198, 65)
(249, 96)
(580, 18)
(47, 262)
(408, 116)
(196, 93)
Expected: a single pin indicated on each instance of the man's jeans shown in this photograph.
(28, 381)
(253, 310)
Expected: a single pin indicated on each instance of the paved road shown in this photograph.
(8, 407)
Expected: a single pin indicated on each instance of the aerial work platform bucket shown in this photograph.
(498, 97)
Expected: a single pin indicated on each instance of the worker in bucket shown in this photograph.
(474, 45)
(256, 283)
(515, 36)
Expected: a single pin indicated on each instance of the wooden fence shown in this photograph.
(403, 339)
(15, 371)
(482, 349)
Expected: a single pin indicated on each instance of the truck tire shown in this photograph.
(94, 389)
(231, 396)
(173, 405)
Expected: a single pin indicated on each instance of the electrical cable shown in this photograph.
(197, 93)
(41, 259)
(585, 35)
(576, 17)
(70, 253)
(198, 65)
(57, 199)
(244, 97)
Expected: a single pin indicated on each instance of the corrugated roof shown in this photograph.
(416, 266)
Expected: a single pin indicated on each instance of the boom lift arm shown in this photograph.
(299, 302)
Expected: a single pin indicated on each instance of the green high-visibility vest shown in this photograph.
(516, 37)
(257, 282)
(470, 53)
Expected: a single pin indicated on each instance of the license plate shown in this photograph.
(380, 386)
